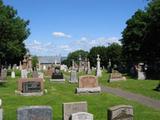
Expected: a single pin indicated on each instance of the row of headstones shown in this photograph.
(71, 111)
(35, 86)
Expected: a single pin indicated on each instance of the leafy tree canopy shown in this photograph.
(13, 32)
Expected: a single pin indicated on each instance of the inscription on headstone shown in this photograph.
(120, 112)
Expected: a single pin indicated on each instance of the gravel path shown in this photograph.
(132, 96)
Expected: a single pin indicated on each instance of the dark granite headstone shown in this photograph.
(31, 86)
(34, 113)
(57, 74)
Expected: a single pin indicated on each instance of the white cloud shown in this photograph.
(66, 48)
(61, 35)
(87, 43)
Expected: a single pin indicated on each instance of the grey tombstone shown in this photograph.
(3, 76)
(73, 107)
(98, 70)
(120, 112)
(88, 67)
(81, 116)
(34, 113)
(73, 78)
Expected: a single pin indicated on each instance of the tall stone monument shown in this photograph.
(98, 70)
(88, 67)
(80, 64)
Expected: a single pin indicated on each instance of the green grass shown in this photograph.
(143, 87)
(58, 93)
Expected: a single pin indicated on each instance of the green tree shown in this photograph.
(75, 56)
(34, 62)
(13, 32)
(140, 38)
(102, 51)
(112, 52)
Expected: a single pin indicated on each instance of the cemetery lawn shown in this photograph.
(58, 93)
(143, 87)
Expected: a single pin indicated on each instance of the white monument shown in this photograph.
(98, 70)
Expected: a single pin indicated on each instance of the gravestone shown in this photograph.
(141, 71)
(81, 116)
(13, 74)
(73, 107)
(48, 72)
(34, 113)
(88, 67)
(120, 112)
(24, 73)
(57, 75)
(3, 76)
(116, 76)
(73, 78)
(98, 70)
(1, 110)
(88, 84)
(30, 86)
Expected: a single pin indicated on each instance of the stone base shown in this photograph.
(88, 90)
(1, 114)
(57, 80)
(73, 81)
(29, 94)
(116, 79)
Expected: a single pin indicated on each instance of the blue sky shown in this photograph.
(62, 26)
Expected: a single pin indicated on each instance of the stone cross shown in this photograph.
(98, 71)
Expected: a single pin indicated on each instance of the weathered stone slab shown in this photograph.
(88, 83)
(81, 116)
(34, 113)
(73, 107)
(73, 78)
(120, 112)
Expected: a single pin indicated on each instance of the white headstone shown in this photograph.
(13, 74)
(82, 116)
